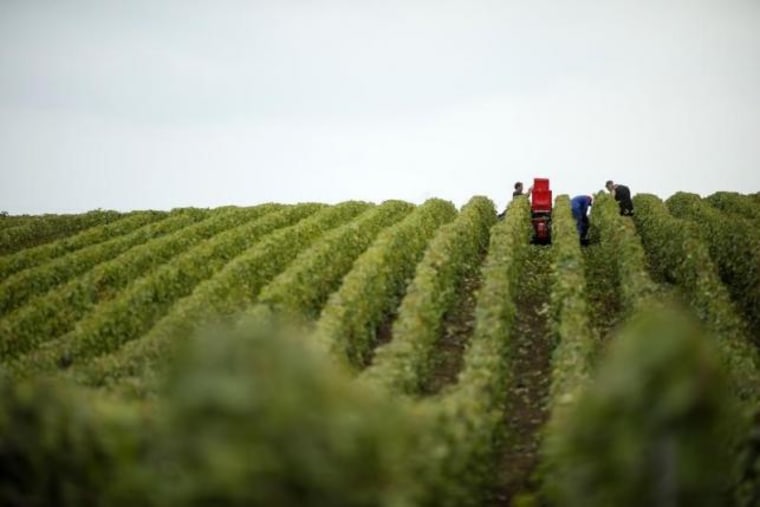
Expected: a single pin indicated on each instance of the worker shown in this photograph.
(579, 206)
(622, 195)
(519, 190)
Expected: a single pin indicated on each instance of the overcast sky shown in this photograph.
(158, 104)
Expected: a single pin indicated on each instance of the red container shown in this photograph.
(542, 195)
(542, 201)
(541, 211)
(541, 184)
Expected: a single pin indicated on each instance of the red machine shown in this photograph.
(541, 211)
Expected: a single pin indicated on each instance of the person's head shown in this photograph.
(519, 186)
(590, 199)
(610, 185)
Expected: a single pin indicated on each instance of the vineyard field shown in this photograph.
(385, 354)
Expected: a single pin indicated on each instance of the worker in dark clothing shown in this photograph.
(622, 195)
(519, 190)
(579, 206)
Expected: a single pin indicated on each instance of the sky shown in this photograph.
(160, 104)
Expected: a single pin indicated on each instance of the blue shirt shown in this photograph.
(580, 204)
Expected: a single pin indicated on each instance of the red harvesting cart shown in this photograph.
(541, 211)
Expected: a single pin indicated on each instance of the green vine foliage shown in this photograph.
(678, 255)
(405, 363)
(348, 325)
(656, 427)
(734, 246)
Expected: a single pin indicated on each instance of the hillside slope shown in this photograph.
(439, 357)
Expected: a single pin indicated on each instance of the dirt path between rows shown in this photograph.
(526, 403)
(458, 326)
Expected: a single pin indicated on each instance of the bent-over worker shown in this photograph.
(622, 195)
(579, 206)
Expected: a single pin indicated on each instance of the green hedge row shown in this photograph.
(746, 206)
(229, 290)
(576, 343)
(404, 364)
(31, 257)
(734, 245)
(249, 417)
(678, 255)
(8, 221)
(20, 287)
(135, 309)
(61, 447)
(372, 289)
(575, 340)
(466, 419)
(302, 290)
(657, 426)
(617, 237)
(39, 230)
(56, 312)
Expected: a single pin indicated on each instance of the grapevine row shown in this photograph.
(677, 254)
(372, 289)
(734, 245)
(8, 221)
(301, 291)
(576, 342)
(229, 290)
(135, 309)
(466, 420)
(56, 312)
(626, 254)
(20, 287)
(31, 257)
(406, 362)
(738, 205)
(658, 407)
(39, 230)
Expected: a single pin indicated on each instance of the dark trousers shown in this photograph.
(582, 224)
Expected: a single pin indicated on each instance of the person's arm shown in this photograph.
(530, 190)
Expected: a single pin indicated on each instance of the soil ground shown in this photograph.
(527, 397)
(458, 325)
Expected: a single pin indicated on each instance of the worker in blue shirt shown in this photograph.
(580, 205)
